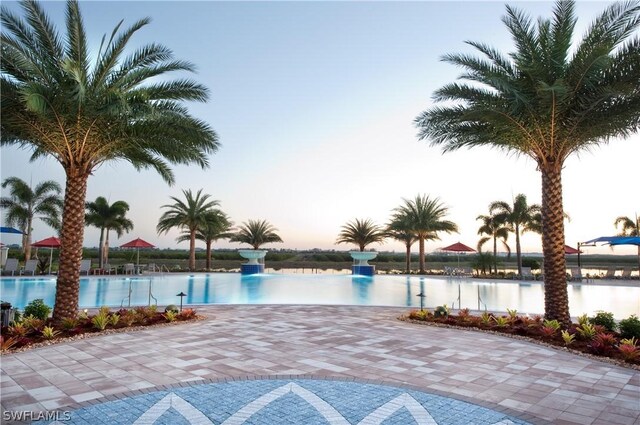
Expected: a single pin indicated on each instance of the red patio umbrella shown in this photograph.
(137, 243)
(458, 247)
(50, 243)
(568, 250)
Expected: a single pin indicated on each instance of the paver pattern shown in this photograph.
(365, 344)
(293, 402)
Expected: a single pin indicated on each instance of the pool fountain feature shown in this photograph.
(363, 268)
(253, 266)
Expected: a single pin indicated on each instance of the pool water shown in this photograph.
(401, 291)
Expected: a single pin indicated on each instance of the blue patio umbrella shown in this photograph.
(10, 230)
(617, 240)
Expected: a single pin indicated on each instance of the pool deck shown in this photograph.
(363, 344)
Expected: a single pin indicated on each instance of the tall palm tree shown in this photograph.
(547, 99)
(629, 227)
(25, 204)
(188, 215)
(107, 217)
(216, 225)
(362, 233)
(400, 229)
(494, 229)
(519, 218)
(86, 108)
(425, 217)
(256, 233)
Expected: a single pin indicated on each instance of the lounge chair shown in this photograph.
(526, 274)
(11, 266)
(129, 268)
(30, 267)
(108, 269)
(626, 274)
(85, 267)
(611, 273)
(576, 274)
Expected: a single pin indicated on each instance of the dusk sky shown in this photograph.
(314, 105)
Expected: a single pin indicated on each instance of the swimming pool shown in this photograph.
(381, 290)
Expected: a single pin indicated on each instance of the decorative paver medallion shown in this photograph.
(280, 402)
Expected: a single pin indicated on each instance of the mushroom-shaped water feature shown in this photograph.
(253, 266)
(362, 267)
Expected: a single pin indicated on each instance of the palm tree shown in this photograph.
(188, 216)
(425, 217)
(256, 233)
(25, 204)
(85, 109)
(629, 227)
(519, 218)
(494, 229)
(216, 225)
(107, 217)
(362, 233)
(400, 229)
(547, 100)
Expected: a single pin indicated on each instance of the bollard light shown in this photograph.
(422, 297)
(181, 295)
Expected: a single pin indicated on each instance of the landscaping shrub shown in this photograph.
(605, 319)
(630, 327)
(531, 262)
(38, 309)
(171, 307)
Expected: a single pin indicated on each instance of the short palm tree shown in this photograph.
(494, 229)
(106, 218)
(86, 108)
(629, 227)
(519, 218)
(256, 233)
(547, 99)
(216, 225)
(425, 217)
(361, 233)
(188, 215)
(400, 229)
(25, 204)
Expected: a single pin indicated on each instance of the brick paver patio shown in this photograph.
(365, 344)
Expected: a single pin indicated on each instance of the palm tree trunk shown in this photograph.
(421, 246)
(518, 251)
(556, 298)
(495, 255)
(208, 266)
(105, 249)
(101, 248)
(192, 251)
(72, 236)
(27, 245)
(408, 259)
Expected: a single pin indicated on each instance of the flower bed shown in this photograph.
(32, 331)
(597, 336)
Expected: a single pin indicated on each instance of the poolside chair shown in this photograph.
(30, 267)
(129, 268)
(576, 274)
(85, 267)
(610, 274)
(626, 273)
(526, 274)
(11, 266)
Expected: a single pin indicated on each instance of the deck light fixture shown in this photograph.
(181, 295)
(422, 297)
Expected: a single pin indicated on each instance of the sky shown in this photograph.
(314, 105)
